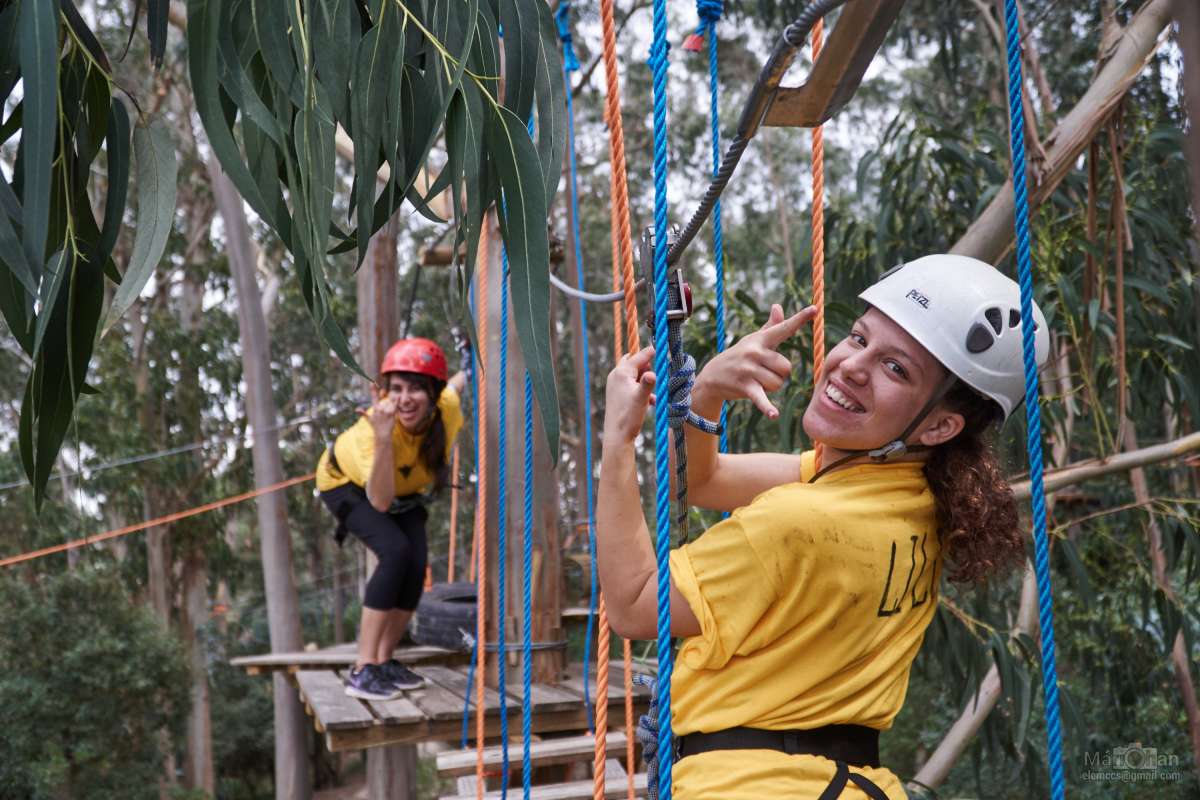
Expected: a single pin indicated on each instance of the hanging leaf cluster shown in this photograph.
(274, 81)
(56, 253)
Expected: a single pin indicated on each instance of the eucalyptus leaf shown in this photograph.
(156, 176)
(38, 36)
(523, 225)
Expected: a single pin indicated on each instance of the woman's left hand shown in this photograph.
(629, 392)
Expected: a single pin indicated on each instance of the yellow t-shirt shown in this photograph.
(813, 601)
(355, 450)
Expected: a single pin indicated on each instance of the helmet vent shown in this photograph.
(995, 318)
(1014, 318)
(979, 338)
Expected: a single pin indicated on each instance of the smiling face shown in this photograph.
(413, 402)
(874, 383)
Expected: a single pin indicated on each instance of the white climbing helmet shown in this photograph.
(967, 314)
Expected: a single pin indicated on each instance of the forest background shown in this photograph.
(113, 657)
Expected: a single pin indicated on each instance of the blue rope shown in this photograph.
(527, 598)
(502, 518)
(710, 12)
(658, 65)
(467, 694)
(1032, 407)
(570, 64)
(570, 61)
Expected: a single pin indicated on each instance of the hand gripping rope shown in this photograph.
(1032, 407)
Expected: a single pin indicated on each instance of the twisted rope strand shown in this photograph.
(1032, 404)
(818, 237)
(481, 510)
(662, 368)
(527, 599)
(622, 265)
(616, 156)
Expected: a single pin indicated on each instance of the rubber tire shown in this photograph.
(445, 610)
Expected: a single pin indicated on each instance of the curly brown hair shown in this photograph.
(978, 523)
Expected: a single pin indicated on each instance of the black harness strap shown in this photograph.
(847, 745)
(834, 790)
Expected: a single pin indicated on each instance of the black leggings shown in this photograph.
(397, 540)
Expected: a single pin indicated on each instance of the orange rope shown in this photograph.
(453, 515)
(818, 238)
(622, 264)
(151, 523)
(481, 296)
(616, 157)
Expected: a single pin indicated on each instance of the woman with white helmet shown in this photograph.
(800, 614)
(376, 480)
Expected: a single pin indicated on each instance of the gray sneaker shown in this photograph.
(399, 675)
(368, 683)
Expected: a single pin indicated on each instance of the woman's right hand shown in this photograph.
(382, 414)
(754, 366)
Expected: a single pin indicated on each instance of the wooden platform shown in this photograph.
(434, 712)
(343, 655)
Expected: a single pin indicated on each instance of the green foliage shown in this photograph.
(272, 85)
(55, 257)
(87, 682)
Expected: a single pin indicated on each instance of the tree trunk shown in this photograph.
(283, 614)
(198, 764)
(1187, 12)
(991, 234)
(389, 773)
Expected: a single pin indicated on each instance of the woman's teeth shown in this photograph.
(836, 396)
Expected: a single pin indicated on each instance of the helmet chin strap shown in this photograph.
(896, 448)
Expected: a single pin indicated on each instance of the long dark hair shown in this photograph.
(433, 442)
(977, 515)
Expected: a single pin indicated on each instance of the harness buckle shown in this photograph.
(889, 451)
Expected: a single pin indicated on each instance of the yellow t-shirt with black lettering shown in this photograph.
(813, 601)
(355, 451)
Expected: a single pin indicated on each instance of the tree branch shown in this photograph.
(992, 232)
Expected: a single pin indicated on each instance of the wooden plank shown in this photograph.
(324, 694)
(544, 697)
(457, 683)
(340, 656)
(435, 701)
(400, 711)
(564, 750)
(577, 790)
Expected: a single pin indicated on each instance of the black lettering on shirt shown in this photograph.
(888, 606)
(924, 563)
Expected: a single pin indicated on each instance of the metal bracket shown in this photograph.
(848, 51)
(679, 294)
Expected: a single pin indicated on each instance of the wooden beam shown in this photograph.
(443, 255)
(576, 790)
(839, 70)
(565, 750)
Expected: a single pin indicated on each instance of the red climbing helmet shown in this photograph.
(422, 356)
